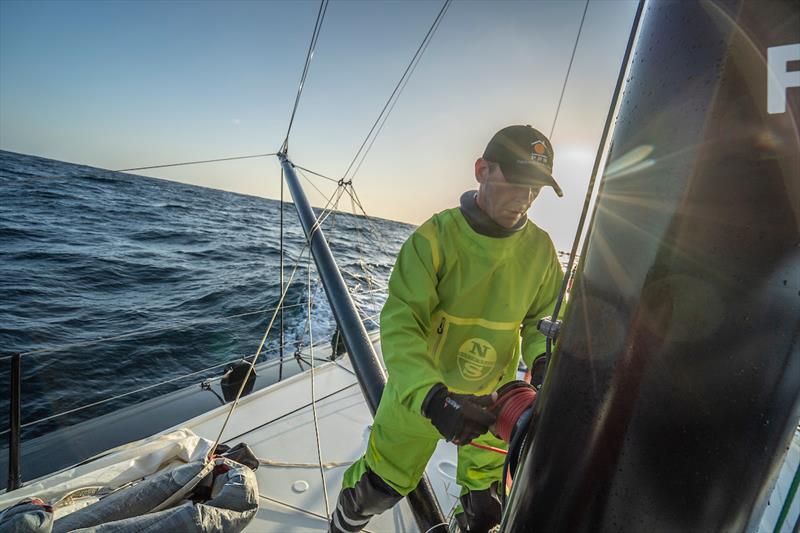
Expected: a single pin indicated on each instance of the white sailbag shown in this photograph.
(177, 490)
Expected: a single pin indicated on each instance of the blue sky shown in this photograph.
(124, 84)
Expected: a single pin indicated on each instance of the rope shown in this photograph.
(350, 190)
(253, 361)
(193, 162)
(397, 86)
(375, 230)
(163, 166)
(314, 398)
(360, 247)
(317, 174)
(511, 406)
(489, 448)
(569, 68)
(235, 403)
(323, 7)
(253, 429)
(280, 356)
(301, 510)
(282, 464)
(311, 183)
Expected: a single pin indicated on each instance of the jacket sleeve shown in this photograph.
(406, 318)
(534, 342)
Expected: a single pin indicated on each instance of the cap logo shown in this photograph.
(539, 152)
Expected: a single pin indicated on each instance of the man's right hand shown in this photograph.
(458, 417)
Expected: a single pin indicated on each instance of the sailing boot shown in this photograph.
(481, 510)
(356, 505)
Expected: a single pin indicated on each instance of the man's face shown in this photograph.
(505, 203)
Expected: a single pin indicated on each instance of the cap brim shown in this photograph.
(533, 174)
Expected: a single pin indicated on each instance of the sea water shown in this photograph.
(110, 282)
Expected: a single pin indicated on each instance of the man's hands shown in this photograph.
(458, 417)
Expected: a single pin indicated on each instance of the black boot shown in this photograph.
(482, 510)
(370, 496)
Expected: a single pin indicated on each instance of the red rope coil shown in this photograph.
(509, 407)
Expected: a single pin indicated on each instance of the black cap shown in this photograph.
(525, 156)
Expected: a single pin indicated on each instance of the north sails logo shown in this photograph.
(476, 359)
(539, 152)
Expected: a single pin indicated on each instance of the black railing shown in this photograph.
(14, 473)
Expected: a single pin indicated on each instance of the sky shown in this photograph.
(129, 84)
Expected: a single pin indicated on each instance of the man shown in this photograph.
(467, 286)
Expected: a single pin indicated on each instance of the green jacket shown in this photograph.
(458, 304)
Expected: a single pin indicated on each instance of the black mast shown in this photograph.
(365, 361)
(675, 389)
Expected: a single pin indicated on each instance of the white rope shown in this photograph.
(235, 402)
(375, 230)
(360, 242)
(301, 510)
(283, 464)
(314, 398)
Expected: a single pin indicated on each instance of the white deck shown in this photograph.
(277, 423)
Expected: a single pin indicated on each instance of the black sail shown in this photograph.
(675, 388)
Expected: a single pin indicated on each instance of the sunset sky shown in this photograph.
(128, 84)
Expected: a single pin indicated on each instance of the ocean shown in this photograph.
(110, 282)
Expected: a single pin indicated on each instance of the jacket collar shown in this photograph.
(481, 223)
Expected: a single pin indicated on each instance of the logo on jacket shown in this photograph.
(476, 358)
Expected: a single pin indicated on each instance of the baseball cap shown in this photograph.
(525, 156)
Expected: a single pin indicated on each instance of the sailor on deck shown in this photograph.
(467, 286)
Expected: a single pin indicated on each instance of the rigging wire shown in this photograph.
(159, 166)
(360, 245)
(569, 68)
(194, 162)
(118, 396)
(311, 182)
(317, 174)
(399, 82)
(301, 510)
(144, 331)
(375, 230)
(235, 402)
(313, 395)
(391, 108)
(282, 253)
(598, 157)
(171, 380)
(323, 8)
(286, 464)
